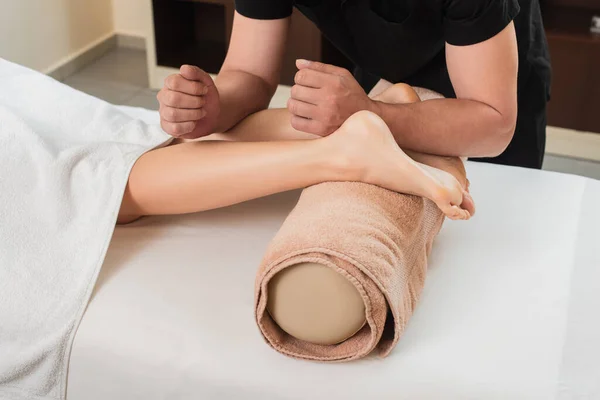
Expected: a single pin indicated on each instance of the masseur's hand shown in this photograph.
(189, 104)
(323, 97)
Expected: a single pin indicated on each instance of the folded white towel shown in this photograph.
(64, 162)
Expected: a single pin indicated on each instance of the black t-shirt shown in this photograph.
(403, 40)
(465, 21)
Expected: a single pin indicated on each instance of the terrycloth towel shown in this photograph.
(376, 238)
(64, 162)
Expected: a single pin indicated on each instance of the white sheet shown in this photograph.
(509, 310)
(64, 162)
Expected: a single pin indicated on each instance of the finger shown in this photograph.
(302, 109)
(171, 114)
(321, 67)
(313, 79)
(308, 125)
(305, 94)
(193, 73)
(178, 83)
(177, 129)
(179, 100)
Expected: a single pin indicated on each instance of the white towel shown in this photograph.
(64, 162)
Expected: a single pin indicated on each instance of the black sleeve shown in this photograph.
(468, 22)
(264, 9)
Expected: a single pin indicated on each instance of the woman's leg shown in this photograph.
(273, 124)
(197, 176)
(270, 125)
(203, 175)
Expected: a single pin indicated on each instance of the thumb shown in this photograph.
(322, 67)
(193, 73)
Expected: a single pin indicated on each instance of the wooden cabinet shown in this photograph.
(198, 31)
(575, 53)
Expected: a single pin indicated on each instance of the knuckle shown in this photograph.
(167, 127)
(176, 99)
(198, 88)
(177, 85)
(171, 113)
(177, 129)
(338, 82)
(294, 124)
(292, 106)
(300, 76)
(182, 128)
(172, 82)
(169, 98)
(160, 95)
(297, 123)
(294, 91)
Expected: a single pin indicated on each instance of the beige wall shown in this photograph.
(43, 34)
(132, 17)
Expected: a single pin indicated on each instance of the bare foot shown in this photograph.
(366, 139)
(452, 165)
(401, 93)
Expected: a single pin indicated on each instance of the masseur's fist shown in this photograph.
(323, 97)
(189, 104)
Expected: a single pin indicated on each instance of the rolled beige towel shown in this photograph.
(378, 239)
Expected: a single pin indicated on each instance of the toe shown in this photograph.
(463, 214)
(468, 203)
(453, 212)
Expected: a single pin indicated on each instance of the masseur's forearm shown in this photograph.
(448, 127)
(241, 94)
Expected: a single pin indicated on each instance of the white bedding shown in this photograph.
(64, 162)
(509, 310)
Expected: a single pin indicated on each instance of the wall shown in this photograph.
(44, 34)
(132, 17)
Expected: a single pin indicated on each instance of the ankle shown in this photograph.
(340, 162)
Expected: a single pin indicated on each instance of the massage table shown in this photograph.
(509, 309)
